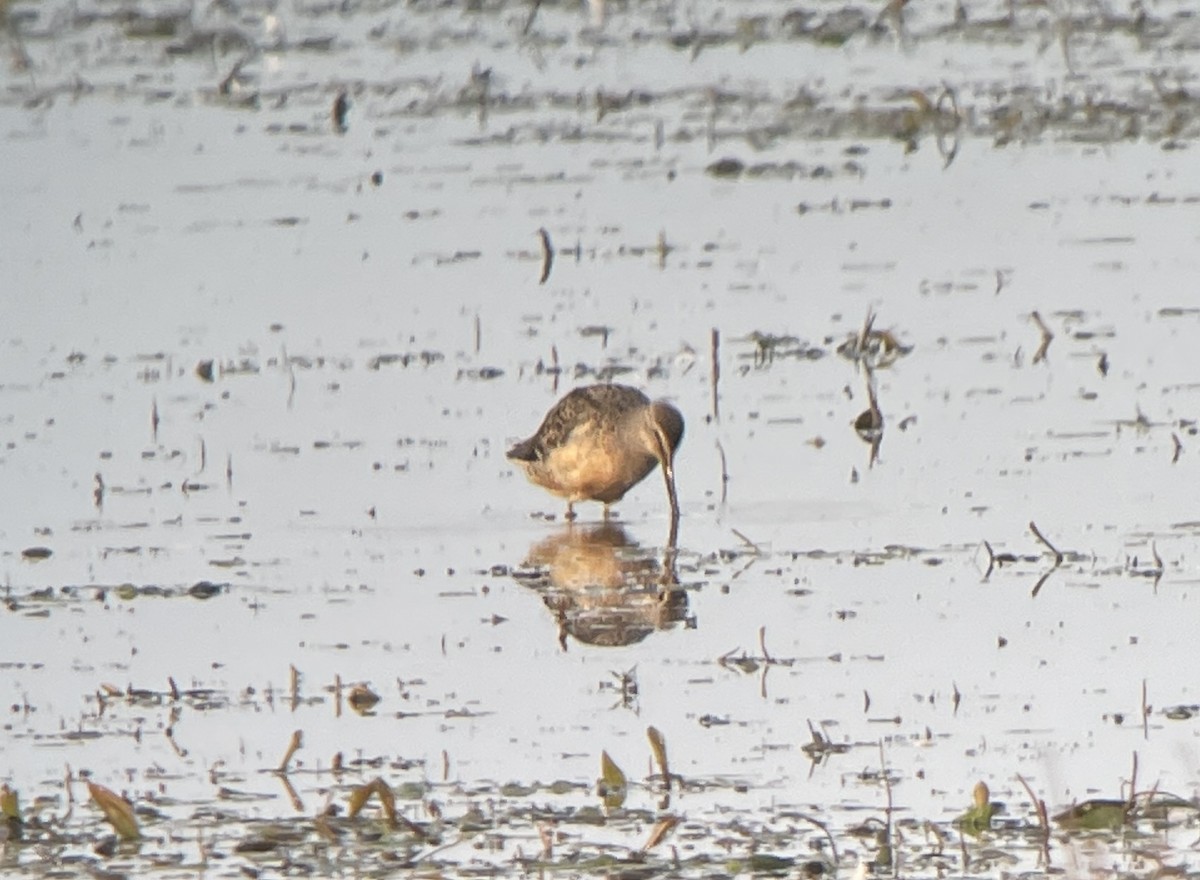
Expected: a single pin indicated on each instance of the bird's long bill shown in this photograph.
(666, 457)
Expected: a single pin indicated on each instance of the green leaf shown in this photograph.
(10, 805)
(612, 786)
(1094, 815)
(978, 817)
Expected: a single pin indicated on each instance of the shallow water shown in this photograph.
(257, 378)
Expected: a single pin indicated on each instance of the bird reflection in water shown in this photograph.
(604, 588)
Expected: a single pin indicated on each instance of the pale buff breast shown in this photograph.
(592, 465)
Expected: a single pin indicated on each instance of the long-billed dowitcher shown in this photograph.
(598, 442)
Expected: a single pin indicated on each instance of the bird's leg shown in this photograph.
(607, 512)
(570, 517)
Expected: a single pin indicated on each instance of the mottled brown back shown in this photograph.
(600, 403)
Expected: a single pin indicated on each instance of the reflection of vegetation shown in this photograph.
(820, 747)
(873, 349)
(769, 347)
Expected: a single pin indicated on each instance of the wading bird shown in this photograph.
(598, 442)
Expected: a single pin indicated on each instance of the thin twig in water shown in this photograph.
(437, 849)
(948, 153)
(825, 830)
(1043, 821)
(1145, 718)
(537, 4)
(225, 86)
(887, 787)
(1058, 557)
(1133, 773)
(762, 644)
(294, 745)
(1178, 448)
(292, 794)
(864, 336)
(747, 542)
(724, 472)
(1037, 588)
(291, 371)
(547, 255)
(991, 560)
(1047, 338)
(715, 340)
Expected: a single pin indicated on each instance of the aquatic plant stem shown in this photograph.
(1043, 820)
